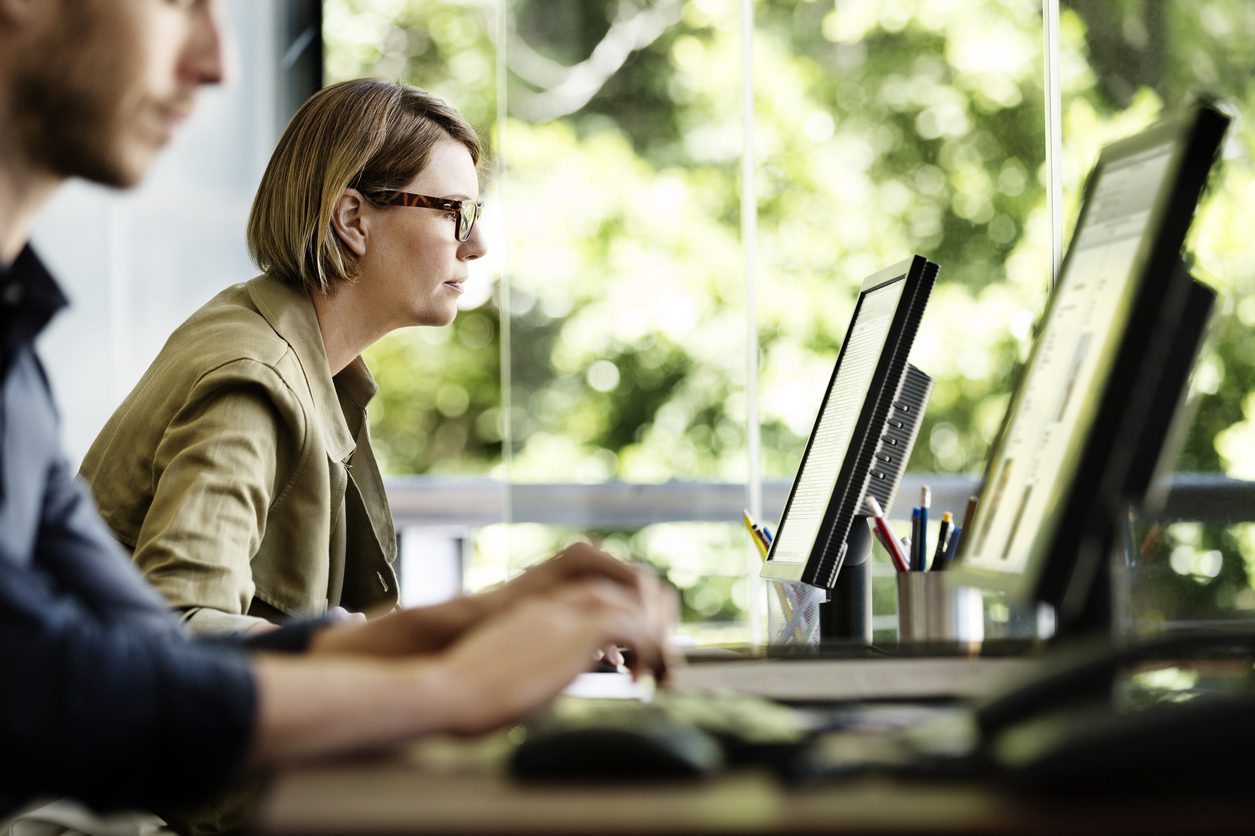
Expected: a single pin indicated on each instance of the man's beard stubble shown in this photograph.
(65, 114)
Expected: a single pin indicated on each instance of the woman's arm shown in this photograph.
(498, 673)
(430, 629)
(215, 469)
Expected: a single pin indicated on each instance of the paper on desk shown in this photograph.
(611, 686)
(820, 680)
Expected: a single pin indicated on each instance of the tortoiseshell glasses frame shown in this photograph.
(468, 211)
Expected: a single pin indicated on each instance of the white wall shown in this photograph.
(135, 264)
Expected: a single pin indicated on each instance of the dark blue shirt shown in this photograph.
(102, 695)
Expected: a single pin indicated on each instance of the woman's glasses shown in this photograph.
(468, 211)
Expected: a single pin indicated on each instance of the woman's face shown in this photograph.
(414, 266)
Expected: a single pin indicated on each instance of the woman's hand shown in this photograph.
(514, 664)
(343, 616)
(577, 562)
(431, 629)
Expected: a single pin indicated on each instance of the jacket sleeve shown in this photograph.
(102, 697)
(220, 464)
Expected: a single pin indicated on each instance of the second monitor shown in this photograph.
(1089, 414)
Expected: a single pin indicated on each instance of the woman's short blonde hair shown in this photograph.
(368, 134)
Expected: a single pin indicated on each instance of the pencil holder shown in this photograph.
(932, 609)
(793, 613)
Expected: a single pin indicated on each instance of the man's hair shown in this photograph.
(368, 134)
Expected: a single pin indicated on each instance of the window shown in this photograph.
(636, 272)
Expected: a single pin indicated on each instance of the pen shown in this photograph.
(915, 541)
(952, 548)
(886, 535)
(925, 499)
(752, 529)
(943, 541)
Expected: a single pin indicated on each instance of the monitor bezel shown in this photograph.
(1066, 564)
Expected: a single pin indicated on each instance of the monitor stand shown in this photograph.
(846, 617)
(1087, 610)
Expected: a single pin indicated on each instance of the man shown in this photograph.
(102, 697)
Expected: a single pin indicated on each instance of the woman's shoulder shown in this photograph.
(227, 328)
(250, 334)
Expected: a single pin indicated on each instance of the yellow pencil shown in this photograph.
(749, 526)
(781, 595)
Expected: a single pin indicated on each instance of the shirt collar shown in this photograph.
(29, 298)
(290, 311)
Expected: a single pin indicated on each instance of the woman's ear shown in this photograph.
(349, 222)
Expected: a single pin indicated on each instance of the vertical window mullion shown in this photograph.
(505, 335)
(1053, 133)
(749, 246)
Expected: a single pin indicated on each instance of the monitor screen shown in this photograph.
(1065, 448)
(831, 480)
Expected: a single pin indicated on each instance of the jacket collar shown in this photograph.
(290, 311)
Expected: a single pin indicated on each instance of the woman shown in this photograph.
(239, 471)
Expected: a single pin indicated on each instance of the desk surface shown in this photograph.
(398, 794)
(442, 785)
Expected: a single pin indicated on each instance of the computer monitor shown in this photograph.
(1088, 409)
(854, 442)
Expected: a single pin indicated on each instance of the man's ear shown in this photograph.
(348, 220)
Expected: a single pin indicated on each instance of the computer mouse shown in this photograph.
(608, 753)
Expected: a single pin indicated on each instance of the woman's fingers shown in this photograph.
(343, 615)
(515, 663)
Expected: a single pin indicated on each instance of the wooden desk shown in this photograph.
(438, 789)
(443, 786)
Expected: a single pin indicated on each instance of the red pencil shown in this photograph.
(886, 535)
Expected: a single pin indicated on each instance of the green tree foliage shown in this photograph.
(880, 129)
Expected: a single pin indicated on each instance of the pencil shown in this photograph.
(925, 500)
(886, 535)
(967, 513)
(750, 527)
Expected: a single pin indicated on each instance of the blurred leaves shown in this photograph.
(880, 130)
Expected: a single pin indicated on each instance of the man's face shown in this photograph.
(104, 84)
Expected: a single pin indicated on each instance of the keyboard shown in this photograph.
(670, 735)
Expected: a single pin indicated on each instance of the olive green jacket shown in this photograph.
(240, 474)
